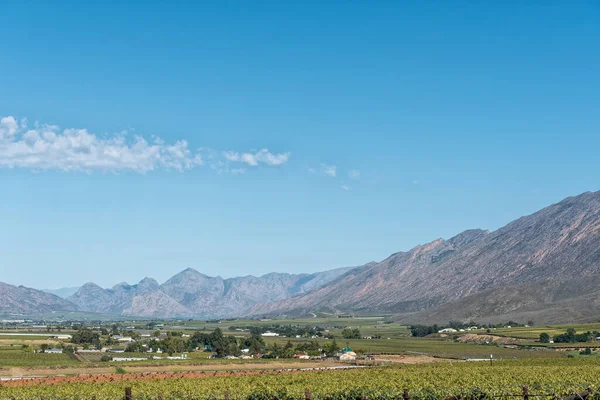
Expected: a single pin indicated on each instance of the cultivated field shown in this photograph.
(442, 379)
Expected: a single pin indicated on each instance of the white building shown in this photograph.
(348, 356)
(447, 330)
(54, 351)
(270, 334)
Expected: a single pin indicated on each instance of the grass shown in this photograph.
(19, 358)
(533, 332)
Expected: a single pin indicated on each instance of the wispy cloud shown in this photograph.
(330, 170)
(354, 174)
(263, 156)
(346, 187)
(47, 147)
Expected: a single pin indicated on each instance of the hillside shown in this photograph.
(23, 300)
(553, 253)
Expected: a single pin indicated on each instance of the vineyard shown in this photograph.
(448, 380)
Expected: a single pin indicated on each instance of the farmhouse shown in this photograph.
(270, 334)
(447, 330)
(349, 356)
(54, 351)
(117, 350)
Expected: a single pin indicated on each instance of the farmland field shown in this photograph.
(541, 376)
(434, 347)
(533, 332)
(18, 358)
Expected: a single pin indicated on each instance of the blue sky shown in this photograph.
(139, 139)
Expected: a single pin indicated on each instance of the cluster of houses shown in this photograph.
(452, 330)
(181, 357)
(274, 334)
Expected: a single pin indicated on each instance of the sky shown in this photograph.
(237, 137)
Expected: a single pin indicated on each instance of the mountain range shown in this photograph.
(543, 267)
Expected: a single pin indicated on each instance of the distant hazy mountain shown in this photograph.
(193, 294)
(23, 300)
(62, 292)
(545, 267)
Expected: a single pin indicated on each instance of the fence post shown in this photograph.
(307, 394)
(226, 395)
(406, 396)
(128, 395)
(160, 396)
(525, 393)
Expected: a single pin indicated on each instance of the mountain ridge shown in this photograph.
(191, 293)
(556, 242)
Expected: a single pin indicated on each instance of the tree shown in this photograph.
(85, 336)
(331, 348)
(349, 333)
(44, 347)
(544, 337)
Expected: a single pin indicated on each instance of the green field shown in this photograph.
(533, 332)
(433, 347)
(19, 358)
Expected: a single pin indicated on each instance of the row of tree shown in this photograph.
(570, 336)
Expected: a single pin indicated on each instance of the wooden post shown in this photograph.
(525, 393)
(226, 395)
(307, 394)
(406, 396)
(160, 396)
(128, 395)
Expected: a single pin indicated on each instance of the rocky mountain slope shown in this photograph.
(193, 294)
(553, 253)
(23, 300)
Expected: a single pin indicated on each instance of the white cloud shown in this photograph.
(238, 171)
(47, 147)
(330, 170)
(263, 156)
(8, 127)
(354, 174)
(346, 187)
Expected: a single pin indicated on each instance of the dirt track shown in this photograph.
(182, 368)
(128, 377)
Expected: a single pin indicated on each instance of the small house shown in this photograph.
(447, 330)
(349, 356)
(54, 351)
(117, 350)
